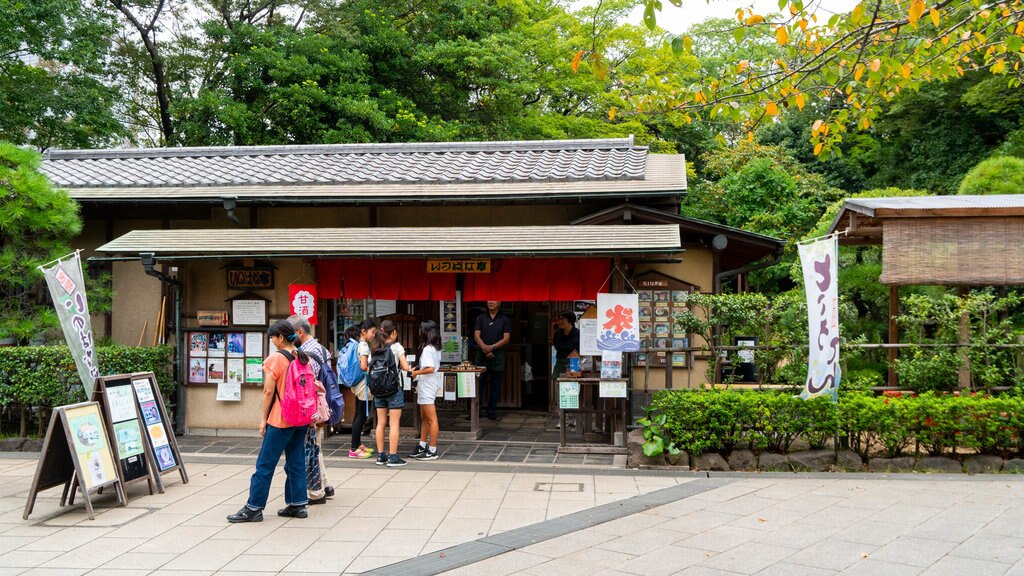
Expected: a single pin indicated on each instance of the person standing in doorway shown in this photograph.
(317, 485)
(566, 342)
(492, 334)
(367, 330)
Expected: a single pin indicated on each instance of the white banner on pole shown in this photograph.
(821, 272)
(67, 288)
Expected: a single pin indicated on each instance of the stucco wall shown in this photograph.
(136, 303)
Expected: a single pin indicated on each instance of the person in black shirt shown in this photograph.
(491, 334)
(566, 342)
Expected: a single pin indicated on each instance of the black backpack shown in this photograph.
(382, 377)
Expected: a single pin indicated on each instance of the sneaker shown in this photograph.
(382, 459)
(428, 455)
(417, 451)
(358, 454)
(329, 492)
(246, 514)
(394, 461)
(367, 449)
(293, 511)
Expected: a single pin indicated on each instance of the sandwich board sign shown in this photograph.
(134, 457)
(76, 452)
(157, 431)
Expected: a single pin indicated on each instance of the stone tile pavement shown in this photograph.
(379, 516)
(494, 519)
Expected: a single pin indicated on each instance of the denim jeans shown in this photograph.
(494, 378)
(290, 441)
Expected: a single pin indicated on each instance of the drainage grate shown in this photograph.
(558, 487)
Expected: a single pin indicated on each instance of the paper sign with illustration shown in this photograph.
(236, 344)
(215, 370)
(617, 316)
(128, 438)
(569, 395)
(611, 364)
(157, 434)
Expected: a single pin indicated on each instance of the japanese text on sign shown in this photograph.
(472, 265)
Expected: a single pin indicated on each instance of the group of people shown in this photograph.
(306, 478)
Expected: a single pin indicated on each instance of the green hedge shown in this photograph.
(46, 375)
(722, 420)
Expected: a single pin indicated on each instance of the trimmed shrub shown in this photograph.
(45, 376)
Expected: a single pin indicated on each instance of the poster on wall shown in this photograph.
(236, 344)
(249, 312)
(451, 329)
(197, 344)
(218, 344)
(617, 322)
(569, 395)
(215, 370)
(467, 384)
(197, 370)
(253, 345)
(253, 371)
(229, 391)
(611, 364)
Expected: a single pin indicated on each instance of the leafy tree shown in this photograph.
(36, 225)
(53, 75)
(846, 68)
(998, 175)
(762, 189)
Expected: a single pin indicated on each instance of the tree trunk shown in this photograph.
(163, 90)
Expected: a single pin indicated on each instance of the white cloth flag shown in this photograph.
(821, 271)
(67, 288)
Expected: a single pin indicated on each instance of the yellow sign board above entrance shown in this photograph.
(470, 265)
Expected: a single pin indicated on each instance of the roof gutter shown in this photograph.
(776, 258)
(364, 255)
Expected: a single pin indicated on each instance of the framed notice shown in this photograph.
(76, 451)
(249, 312)
(254, 345)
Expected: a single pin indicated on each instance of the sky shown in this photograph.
(678, 20)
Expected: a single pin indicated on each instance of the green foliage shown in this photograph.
(997, 175)
(36, 225)
(46, 375)
(992, 319)
(721, 420)
(54, 89)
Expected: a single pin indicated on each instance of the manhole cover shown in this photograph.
(558, 487)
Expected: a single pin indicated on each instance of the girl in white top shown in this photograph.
(428, 382)
(367, 330)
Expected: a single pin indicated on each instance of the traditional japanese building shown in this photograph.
(207, 246)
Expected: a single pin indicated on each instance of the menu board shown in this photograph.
(122, 412)
(159, 433)
(662, 297)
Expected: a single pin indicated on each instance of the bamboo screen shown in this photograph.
(953, 251)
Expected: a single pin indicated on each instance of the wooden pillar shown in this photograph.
(963, 373)
(894, 331)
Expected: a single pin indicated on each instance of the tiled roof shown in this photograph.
(953, 202)
(351, 164)
(448, 241)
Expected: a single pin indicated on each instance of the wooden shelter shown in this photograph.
(938, 240)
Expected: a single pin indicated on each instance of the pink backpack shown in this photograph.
(299, 403)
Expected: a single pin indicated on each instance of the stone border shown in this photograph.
(472, 552)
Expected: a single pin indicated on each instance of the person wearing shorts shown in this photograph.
(428, 382)
(389, 409)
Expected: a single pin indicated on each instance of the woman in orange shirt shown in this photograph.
(277, 435)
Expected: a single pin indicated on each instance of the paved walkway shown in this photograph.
(542, 520)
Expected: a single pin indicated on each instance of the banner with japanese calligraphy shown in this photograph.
(303, 300)
(821, 270)
(67, 289)
(617, 328)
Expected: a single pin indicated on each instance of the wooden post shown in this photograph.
(964, 340)
(894, 331)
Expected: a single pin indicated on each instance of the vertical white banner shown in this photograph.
(67, 288)
(617, 326)
(821, 272)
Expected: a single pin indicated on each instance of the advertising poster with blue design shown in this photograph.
(617, 321)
